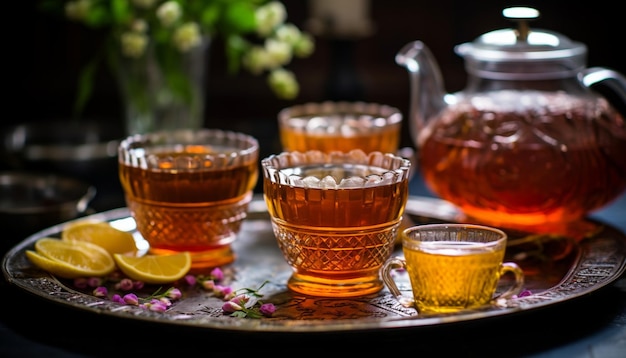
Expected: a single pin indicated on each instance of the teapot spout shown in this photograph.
(427, 94)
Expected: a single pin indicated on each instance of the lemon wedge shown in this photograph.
(71, 259)
(102, 234)
(154, 269)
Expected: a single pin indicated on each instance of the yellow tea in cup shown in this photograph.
(189, 190)
(453, 267)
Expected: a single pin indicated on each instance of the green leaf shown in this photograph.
(210, 16)
(85, 87)
(121, 11)
(253, 314)
(97, 17)
(239, 18)
(235, 47)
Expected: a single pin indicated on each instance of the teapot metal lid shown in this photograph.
(523, 53)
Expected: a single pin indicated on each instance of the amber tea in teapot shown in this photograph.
(527, 142)
(501, 160)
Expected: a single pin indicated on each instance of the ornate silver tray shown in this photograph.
(558, 268)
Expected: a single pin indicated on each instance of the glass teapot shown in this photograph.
(527, 142)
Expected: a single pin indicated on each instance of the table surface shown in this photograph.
(586, 327)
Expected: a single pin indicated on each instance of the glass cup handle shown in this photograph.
(395, 263)
(516, 288)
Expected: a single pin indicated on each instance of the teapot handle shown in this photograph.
(612, 79)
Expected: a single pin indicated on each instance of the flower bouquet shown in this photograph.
(157, 49)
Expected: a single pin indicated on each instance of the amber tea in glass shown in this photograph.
(189, 190)
(335, 217)
(453, 267)
(340, 126)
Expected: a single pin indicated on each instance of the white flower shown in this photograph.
(279, 52)
(169, 12)
(269, 16)
(139, 25)
(187, 36)
(304, 47)
(133, 44)
(283, 83)
(302, 44)
(288, 33)
(256, 60)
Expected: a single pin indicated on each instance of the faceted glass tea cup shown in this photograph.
(335, 217)
(341, 126)
(453, 267)
(189, 190)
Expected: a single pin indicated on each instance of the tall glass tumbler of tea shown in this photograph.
(340, 126)
(335, 217)
(189, 190)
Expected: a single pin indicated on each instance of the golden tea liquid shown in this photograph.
(315, 207)
(385, 140)
(340, 126)
(335, 238)
(447, 277)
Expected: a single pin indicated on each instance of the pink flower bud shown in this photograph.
(174, 293)
(208, 285)
(166, 301)
(240, 300)
(80, 282)
(217, 274)
(125, 284)
(131, 299)
(190, 280)
(230, 307)
(156, 306)
(94, 281)
(267, 309)
(100, 291)
(118, 299)
(222, 290)
(524, 293)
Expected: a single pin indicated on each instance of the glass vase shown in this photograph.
(163, 89)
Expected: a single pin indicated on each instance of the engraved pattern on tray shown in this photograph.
(589, 264)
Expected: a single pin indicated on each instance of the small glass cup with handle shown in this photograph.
(453, 267)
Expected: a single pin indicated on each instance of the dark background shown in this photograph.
(43, 56)
(46, 53)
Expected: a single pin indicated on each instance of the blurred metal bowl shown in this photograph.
(30, 202)
(75, 148)
(82, 149)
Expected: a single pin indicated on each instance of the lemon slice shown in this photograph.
(102, 234)
(71, 259)
(154, 269)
